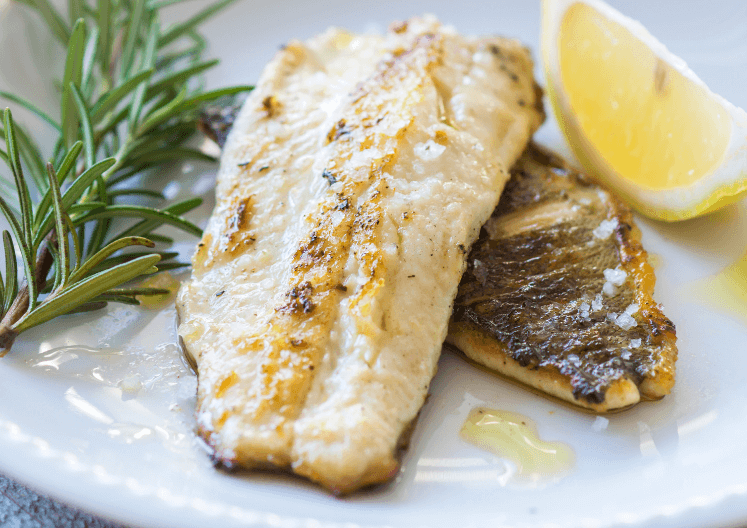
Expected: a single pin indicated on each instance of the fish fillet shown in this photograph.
(352, 184)
(558, 293)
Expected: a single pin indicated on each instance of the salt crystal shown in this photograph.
(596, 304)
(600, 424)
(429, 150)
(625, 321)
(605, 229)
(609, 289)
(633, 308)
(615, 276)
(131, 384)
(635, 343)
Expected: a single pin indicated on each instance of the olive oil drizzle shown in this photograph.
(514, 437)
(725, 291)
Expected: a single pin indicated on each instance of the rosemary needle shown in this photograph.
(130, 97)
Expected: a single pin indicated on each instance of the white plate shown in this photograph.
(68, 429)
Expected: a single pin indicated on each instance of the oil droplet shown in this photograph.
(514, 437)
(725, 291)
(162, 280)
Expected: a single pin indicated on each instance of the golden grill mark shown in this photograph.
(370, 259)
(236, 235)
(299, 299)
(227, 383)
(270, 105)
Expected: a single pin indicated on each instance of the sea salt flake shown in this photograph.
(634, 343)
(596, 304)
(609, 289)
(600, 424)
(131, 384)
(615, 276)
(605, 229)
(625, 321)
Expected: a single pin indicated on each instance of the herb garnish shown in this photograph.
(130, 99)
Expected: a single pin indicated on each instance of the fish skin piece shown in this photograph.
(558, 293)
(354, 180)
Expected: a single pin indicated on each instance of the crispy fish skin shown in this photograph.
(537, 306)
(352, 184)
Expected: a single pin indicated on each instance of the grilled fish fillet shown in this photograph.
(558, 293)
(352, 184)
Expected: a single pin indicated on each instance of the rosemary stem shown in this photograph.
(44, 262)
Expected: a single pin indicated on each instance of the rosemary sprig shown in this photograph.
(130, 98)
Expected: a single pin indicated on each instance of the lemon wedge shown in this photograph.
(637, 117)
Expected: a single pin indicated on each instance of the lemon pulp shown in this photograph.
(648, 122)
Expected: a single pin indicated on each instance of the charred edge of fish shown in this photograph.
(299, 299)
(216, 120)
(223, 464)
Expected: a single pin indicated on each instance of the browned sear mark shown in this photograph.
(270, 105)
(299, 299)
(340, 129)
(236, 234)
